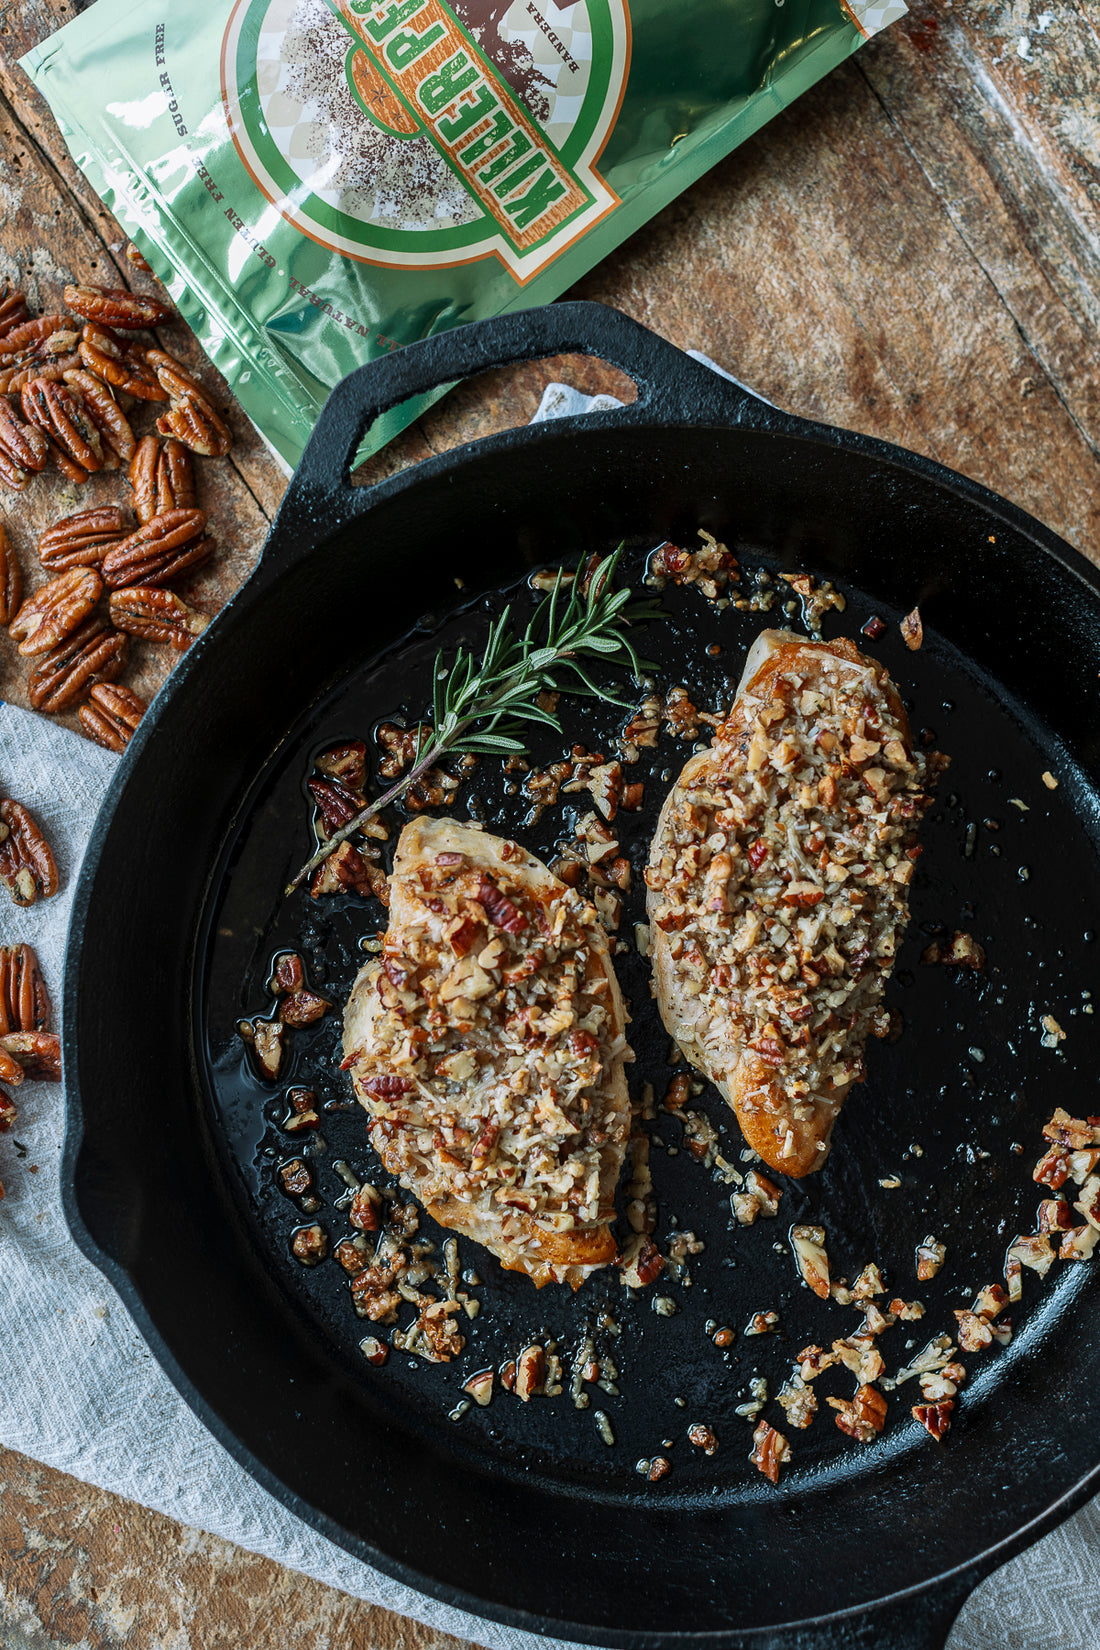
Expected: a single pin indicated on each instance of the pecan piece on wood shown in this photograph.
(62, 416)
(56, 610)
(10, 473)
(69, 468)
(94, 653)
(162, 478)
(107, 358)
(197, 425)
(156, 614)
(27, 865)
(168, 545)
(25, 444)
(11, 579)
(30, 335)
(111, 715)
(105, 413)
(24, 1001)
(175, 379)
(13, 309)
(133, 256)
(38, 1052)
(82, 540)
(115, 306)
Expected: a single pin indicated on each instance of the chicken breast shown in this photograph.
(488, 1044)
(778, 888)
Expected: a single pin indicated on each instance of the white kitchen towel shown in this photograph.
(80, 1390)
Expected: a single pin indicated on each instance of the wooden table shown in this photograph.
(913, 251)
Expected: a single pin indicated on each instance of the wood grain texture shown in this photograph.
(912, 251)
(81, 1567)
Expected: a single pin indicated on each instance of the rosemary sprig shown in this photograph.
(480, 704)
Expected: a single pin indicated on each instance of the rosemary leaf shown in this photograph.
(481, 703)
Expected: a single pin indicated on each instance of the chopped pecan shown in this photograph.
(24, 443)
(13, 309)
(434, 1336)
(500, 910)
(337, 804)
(56, 610)
(303, 1113)
(703, 1438)
(117, 365)
(401, 747)
(133, 256)
(267, 1041)
(808, 1243)
(11, 579)
(530, 1372)
(288, 975)
(27, 865)
(38, 1052)
(346, 763)
(158, 615)
(24, 1000)
(372, 1292)
(935, 1418)
(309, 1244)
(197, 425)
(961, 951)
(111, 716)
(117, 307)
(365, 1213)
(165, 547)
(61, 415)
(94, 653)
(769, 1451)
(862, 1416)
(82, 540)
(105, 413)
(912, 630)
(296, 1178)
(303, 1008)
(345, 870)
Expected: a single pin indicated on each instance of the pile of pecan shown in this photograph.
(28, 1048)
(71, 385)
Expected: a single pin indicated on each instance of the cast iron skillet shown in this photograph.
(532, 1522)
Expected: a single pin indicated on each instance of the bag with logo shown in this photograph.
(320, 181)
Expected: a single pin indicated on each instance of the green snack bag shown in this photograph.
(320, 181)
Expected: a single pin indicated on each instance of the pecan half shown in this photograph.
(162, 478)
(82, 540)
(94, 653)
(123, 368)
(27, 865)
(156, 614)
(10, 1072)
(23, 442)
(56, 610)
(111, 716)
(115, 306)
(11, 579)
(197, 425)
(168, 545)
(107, 416)
(133, 256)
(30, 335)
(38, 1052)
(69, 468)
(16, 380)
(13, 309)
(62, 415)
(175, 379)
(24, 1001)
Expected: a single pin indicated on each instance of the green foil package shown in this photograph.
(318, 182)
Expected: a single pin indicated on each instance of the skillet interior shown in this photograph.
(272, 1358)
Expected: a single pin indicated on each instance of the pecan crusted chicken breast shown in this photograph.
(488, 1043)
(778, 888)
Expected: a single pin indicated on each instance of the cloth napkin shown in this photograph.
(80, 1390)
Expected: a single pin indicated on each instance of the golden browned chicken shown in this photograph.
(487, 1043)
(778, 888)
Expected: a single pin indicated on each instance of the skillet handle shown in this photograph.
(672, 388)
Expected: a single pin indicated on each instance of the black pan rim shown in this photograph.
(998, 510)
